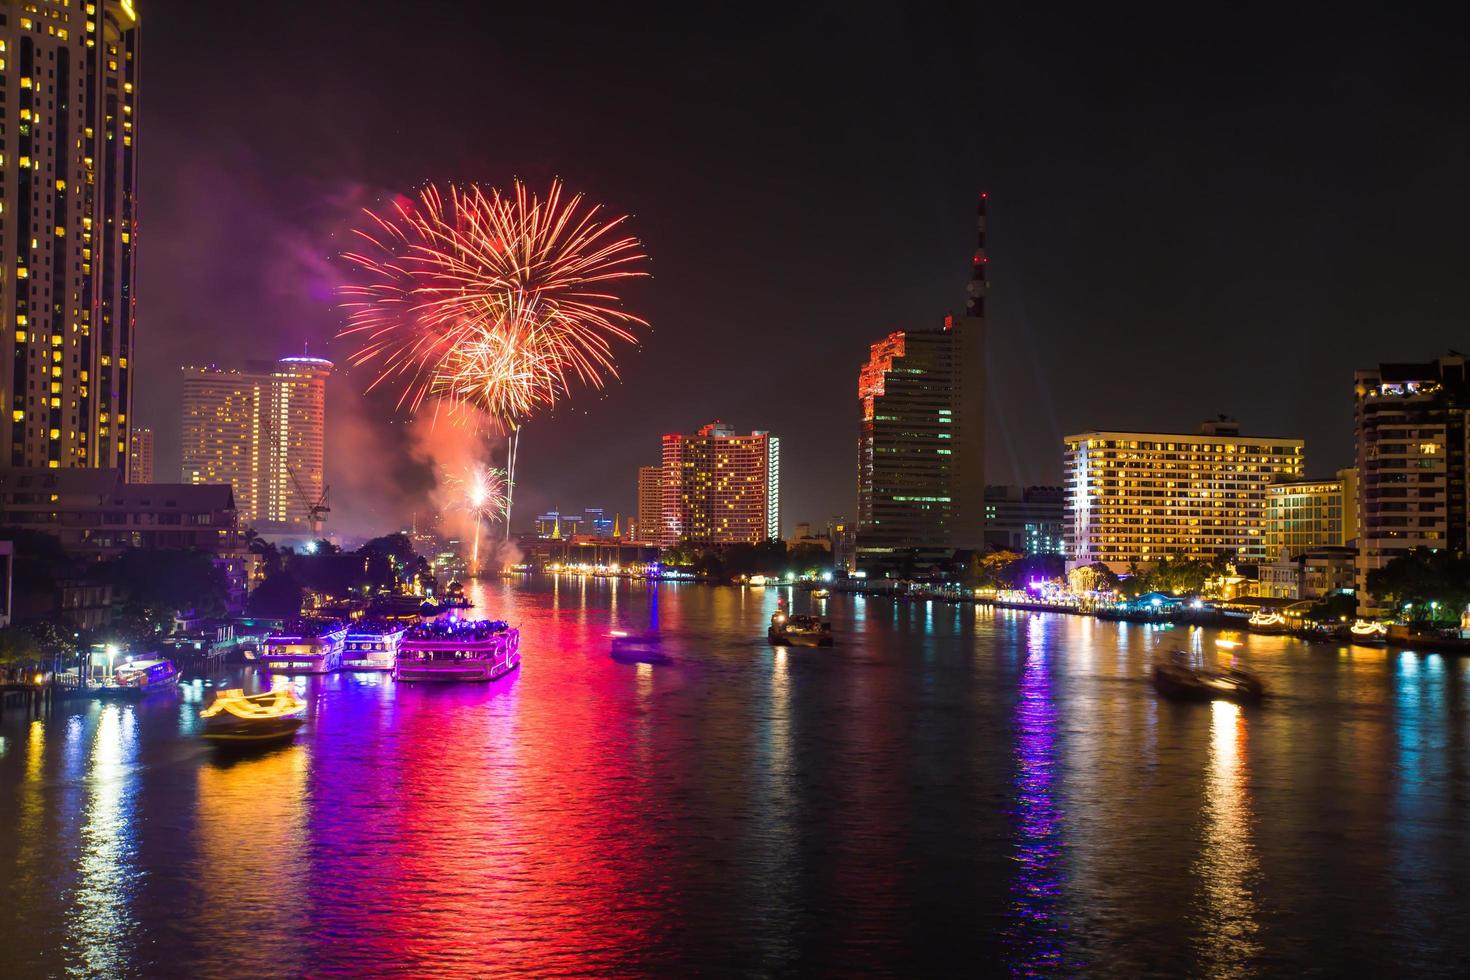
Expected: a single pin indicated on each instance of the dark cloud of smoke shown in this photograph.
(248, 270)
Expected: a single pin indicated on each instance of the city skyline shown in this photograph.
(1108, 277)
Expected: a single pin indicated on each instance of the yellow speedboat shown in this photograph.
(237, 718)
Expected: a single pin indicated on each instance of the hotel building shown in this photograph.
(1411, 461)
(1150, 495)
(263, 431)
(720, 488)
(140, 456)
(921, 439)
(1302, 515)
(68, 179)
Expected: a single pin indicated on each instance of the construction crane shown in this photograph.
(316, 512)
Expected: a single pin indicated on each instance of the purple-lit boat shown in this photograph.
(306, 647)
(452, 651)
(138, 677)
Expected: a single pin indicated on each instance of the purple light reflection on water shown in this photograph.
(1036, 933)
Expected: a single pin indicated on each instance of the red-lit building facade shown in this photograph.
(717, 487)
(921, 439)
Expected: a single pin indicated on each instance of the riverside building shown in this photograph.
(1142, 496)
(1411, 461)
(1305, 514)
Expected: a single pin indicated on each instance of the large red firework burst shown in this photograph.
(493, 301)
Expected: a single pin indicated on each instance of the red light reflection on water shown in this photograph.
(508, 818)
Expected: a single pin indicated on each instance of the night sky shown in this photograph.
(1186, 218)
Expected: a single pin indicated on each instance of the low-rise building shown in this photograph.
(1026, 520)
(95, 514)
(1311, 574)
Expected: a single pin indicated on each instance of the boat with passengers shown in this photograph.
(452, 650)
(307, 646)
(372, 645)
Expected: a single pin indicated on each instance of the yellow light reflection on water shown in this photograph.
(101, 916)
(1227, 867)
(253, 836)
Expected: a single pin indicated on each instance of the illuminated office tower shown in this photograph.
(720, 488)
(140, 456)
(921, 444)
(68, 174)
(263, 431)
(1149, 495)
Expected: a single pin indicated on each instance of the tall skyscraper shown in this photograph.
(1150, 495)
(261, 430)
(140, 456)
(650, 500)
(68, 152)
(921, 446)
(296, 463)
(1411, 422)
(720, 488)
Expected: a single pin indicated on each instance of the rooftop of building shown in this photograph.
(1301, 485)
(1131, 434)
(106, 486)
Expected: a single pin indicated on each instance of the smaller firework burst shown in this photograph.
(483, 492)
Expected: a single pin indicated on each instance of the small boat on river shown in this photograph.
(1270, 622)
(637, 648)
(239, 719)
(798, 630)
(1370, 634)
(1177, 680)
(136, 678)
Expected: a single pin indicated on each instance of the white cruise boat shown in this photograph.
(372, 646)
(306, 647)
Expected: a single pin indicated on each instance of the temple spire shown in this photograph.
(975, 305)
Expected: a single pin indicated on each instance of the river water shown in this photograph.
(947, 790)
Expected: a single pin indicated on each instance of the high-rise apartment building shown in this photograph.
(1411, 461)
(263, 431)
(140, 456)
(720, 488)
(921, 445)
(650, 502)
(1150, 495)
(68, 229)
(1303, 515)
